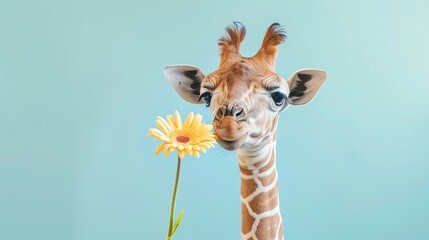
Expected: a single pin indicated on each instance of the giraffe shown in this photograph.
(246, 96)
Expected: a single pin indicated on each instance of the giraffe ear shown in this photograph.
(186, 80)
(304, 85)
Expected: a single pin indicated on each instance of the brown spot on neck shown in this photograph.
(265, 201)
(267, 228)
(246, 219)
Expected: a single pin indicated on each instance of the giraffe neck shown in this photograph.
(261, 218)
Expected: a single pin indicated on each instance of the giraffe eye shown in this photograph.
(207, 97)
(278, 97)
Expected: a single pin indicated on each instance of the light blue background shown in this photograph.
(81, 84)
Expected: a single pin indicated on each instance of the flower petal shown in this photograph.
(196, 121)
(162, 124)
(205, 145)
(178, 120)
(188, 121)
(155, 132)
(205, 128)
(171, 122)
(181, 154)
(196, 147)
(188, 149)
(159, 148)
(167, 151)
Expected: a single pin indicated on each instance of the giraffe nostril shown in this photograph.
(239, 113)
(219, 113)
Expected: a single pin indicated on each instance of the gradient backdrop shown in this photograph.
(81, 83)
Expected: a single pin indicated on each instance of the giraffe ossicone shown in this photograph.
(246, 96)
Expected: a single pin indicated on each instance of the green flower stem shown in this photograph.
(173, 200)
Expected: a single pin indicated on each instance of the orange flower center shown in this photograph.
(182, 139)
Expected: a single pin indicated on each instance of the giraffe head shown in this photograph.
(245, 95)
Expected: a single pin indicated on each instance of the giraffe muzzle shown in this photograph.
(231, 125)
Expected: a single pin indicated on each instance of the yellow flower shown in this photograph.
(191, 137)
